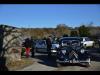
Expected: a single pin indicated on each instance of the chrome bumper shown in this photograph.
(72, 61)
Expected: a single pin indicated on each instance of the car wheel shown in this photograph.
(93, 45)
(87, 64)
(85, 46)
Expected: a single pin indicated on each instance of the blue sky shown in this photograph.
(49, 15)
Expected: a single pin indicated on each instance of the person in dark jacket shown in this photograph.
(27, 45)
(49, 44)
(33, 47)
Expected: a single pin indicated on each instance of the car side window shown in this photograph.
(87, 39)
(42, 42)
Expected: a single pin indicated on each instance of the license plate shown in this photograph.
(73, 61)
(70, 61)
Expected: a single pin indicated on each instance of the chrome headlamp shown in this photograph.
(63, 51)
(82, 51)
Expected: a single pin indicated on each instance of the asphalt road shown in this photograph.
(43, 63)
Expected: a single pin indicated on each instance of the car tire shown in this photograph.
(93, 45)
(85, 46)
(87, 64)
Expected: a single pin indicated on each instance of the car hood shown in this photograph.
(71, 48)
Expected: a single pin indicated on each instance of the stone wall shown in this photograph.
(12, 40)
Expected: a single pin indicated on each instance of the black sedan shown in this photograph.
(72, 52)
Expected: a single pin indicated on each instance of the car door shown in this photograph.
(88, 42)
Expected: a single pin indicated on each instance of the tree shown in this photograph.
(62, 29)
(65, 35)
(84, 31)
(73, 33)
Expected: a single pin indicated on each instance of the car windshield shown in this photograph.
(75, 41)
(41, 42)
(70, 41)
(55, 42)
(65, 48)
(65, 41)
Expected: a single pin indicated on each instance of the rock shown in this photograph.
(11, 42)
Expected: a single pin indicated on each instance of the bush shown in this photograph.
(15, 65)
(84, 31)
(74, 33)
(23, 50)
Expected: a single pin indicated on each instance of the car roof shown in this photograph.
(68, 37)
(84, 37)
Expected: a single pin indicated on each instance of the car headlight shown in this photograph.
(82, 50)
(53, 51)
(63, 51)
(53, 47)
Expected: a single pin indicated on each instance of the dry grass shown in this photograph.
(12, 66)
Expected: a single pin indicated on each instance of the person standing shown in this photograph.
(32, 47)
(27, 45)
(49, 44)
(99, 42)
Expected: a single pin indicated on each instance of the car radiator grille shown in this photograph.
(73, 54)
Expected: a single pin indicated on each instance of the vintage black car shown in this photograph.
(71, 51)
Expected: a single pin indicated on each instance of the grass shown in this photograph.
(13, 66)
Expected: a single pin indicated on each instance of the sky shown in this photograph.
(49, 15)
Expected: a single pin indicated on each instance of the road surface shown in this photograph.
(43, 63)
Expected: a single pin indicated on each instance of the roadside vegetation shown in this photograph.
(13, 37)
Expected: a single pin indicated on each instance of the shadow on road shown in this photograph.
(74, 64)
(45, 60)
(3, 66)
(95, 54)
(95, 58)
